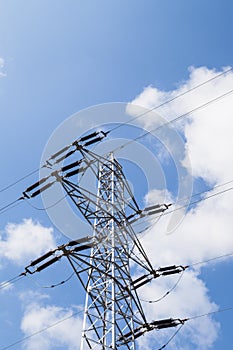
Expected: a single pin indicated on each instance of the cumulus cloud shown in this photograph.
(65, 332)
(207, 131)
(24, 241)
(206, 230)
(199, 237)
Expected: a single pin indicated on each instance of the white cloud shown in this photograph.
(206, 230)
(2, 63)
(66, 333)
(24, 241)
(207, 131)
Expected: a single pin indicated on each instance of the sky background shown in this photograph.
(59, 57)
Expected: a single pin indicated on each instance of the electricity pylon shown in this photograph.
(105, 262)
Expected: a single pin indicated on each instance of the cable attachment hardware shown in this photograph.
(171, 270)
(56, 254)
(151, 210)
(162, 271)
(76, 145)
(147, 327)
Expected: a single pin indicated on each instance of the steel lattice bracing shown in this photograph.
(113, 317)
(112, 308)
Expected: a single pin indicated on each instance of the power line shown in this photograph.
(8, 205)
(174, 98)
(14, 203)
(9, 208)
(76, 313)
(211, 313)
(212, 259)
(182, 273)
(187, 199)
(174, 120)
(188, 204)
(19, 180)
(5, 208)
(42, 330)
(170, 339)
(18, 277)
(15, 279)
(193, 318)
(205, 191)
(130, 120)
(195, 202)
(96, 215)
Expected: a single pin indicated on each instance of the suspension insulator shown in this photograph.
(36, 184)
(172, 267)
(55, 155)
(41, 258)
(74, 172)
(171, 272)
(72, 165)
(48, 263)
(152, 207)
(126, 335)
(156, 211)
(79, 241)
(83, 247)
(161, 322)
(138, 334)
(93, 134)
(97, 139)
(167, 325)
(142, 283)
(65, 156)
(34, 194)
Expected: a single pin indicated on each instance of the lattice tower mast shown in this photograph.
(113, 317)
(112, 307)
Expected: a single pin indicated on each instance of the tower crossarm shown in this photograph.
(56, 254)
(147, 327)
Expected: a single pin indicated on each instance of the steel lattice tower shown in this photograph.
(109, 304)
(112, 307)
(113, 316)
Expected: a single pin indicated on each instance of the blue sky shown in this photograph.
(59, 57)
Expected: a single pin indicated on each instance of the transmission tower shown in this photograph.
(105, 262)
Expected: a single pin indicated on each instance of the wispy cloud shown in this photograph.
(2, 63)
